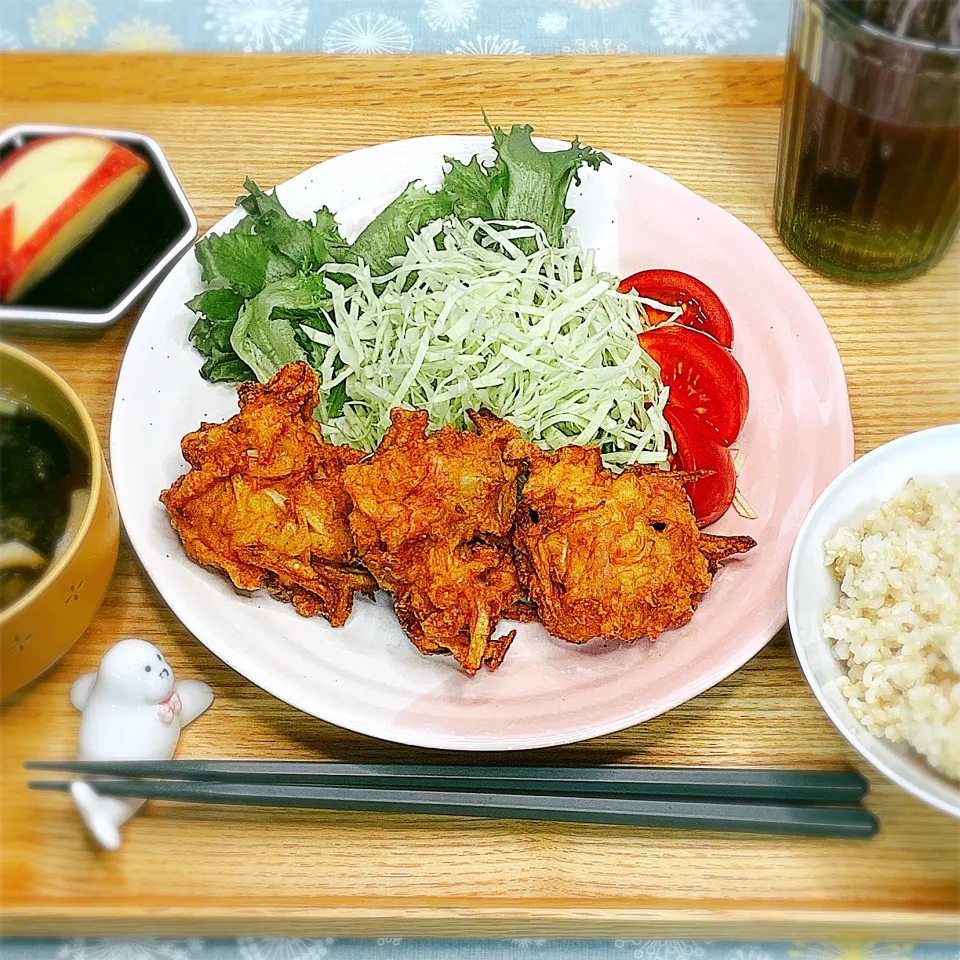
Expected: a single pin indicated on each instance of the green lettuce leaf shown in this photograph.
(217, 310)
(386, 235)
(326, 243)
(262, 287)
(524, 183)
(304, 244)
(472, 190)
(212, 340)
(293, 245)
(266, 341)
(335, 400)
(530, 184)
(217, 303)
(298, 319)
(337, 397)
(226, 368)
(267, 246)
(236, 260)
(280, 233)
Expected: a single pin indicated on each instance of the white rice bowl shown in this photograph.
(896, 627)
(895, 702)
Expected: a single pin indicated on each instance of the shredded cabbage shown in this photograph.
(467, 319)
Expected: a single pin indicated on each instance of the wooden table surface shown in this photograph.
(711, 124)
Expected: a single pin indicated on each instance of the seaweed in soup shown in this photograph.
(42, 472)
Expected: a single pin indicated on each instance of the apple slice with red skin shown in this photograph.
(54, 193)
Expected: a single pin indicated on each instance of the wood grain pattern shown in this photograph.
(712, 125)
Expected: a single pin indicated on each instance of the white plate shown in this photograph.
(367, 676)
(930, 455)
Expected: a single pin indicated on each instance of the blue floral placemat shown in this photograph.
(399, 26)
(396, 948)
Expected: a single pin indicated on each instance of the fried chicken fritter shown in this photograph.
(264, 501)
(602, 555)
(432, 518)
(436, 521)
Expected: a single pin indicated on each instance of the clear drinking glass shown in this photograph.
(868, 178)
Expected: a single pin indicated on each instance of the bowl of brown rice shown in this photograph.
(873, 600)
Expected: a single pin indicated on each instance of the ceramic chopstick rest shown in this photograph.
(132, 709)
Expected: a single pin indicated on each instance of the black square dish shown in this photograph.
(132, 249)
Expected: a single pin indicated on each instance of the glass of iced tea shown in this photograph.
(868, 178)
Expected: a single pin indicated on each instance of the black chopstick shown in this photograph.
(801, 786)
(800, 819)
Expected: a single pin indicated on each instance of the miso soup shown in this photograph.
(44, 491)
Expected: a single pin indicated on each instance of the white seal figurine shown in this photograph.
(133, 709)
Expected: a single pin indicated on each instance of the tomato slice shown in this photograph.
(698, 450)
(703, 310)
(704, 379)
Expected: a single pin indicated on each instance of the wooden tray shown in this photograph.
(710, 123)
